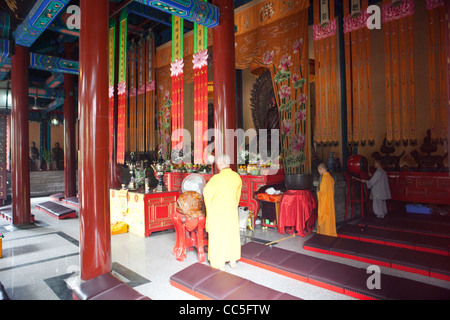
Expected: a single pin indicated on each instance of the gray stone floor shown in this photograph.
(38, 261)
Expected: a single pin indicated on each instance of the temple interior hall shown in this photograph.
(140, 139)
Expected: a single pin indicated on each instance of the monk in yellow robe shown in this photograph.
(326, 221)
(222, 195)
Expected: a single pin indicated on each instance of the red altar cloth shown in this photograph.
(298, 209)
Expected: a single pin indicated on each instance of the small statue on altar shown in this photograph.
(160, 168)
(388, 160)
(428, 160)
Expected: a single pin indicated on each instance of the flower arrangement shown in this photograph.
(293, 109)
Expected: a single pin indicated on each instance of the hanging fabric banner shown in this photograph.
(348, 76)
(326, 124)
(150, 94)
(132, 95)
(200, 65)
(358, 74)
(112, 48)
(437, 71)
(121, 124)
(3, 156)
(141, 87)
(412, 82)
(368, 80)
(177, 79)
(399, 72)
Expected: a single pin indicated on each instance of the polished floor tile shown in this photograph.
(39, 262)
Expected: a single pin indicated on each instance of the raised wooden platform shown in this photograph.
(423, 187)
(43, 183)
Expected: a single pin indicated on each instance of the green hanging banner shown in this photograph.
(112, 48)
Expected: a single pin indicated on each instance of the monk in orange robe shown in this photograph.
(222, 195)
(326, 222)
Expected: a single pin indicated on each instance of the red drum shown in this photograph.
(357, 165)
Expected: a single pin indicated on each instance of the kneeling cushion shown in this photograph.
(57, 196)
(320, 243)
(57, 210)
(106, 287)
(205, 282)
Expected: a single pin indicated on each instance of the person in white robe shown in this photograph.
(380, 191)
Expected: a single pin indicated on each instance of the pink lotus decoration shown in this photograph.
(177, 67)
(268, 57)
(122, 88)
(200, 59)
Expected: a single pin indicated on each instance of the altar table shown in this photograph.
(298, 209)
(250, 185)
(143, 212)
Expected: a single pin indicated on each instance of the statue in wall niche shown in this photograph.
(263, 104)
(428, 160)
(388, 161)
(265, 113)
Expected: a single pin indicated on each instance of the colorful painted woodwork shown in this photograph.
(177, 74)
(122, 88)
(144, 213)
(423, 187)
(53, 64)
(197, 11)
(250, 185)
(5, 25)
(112, 66)
(38, 19)
(200, 62)
(3, 187)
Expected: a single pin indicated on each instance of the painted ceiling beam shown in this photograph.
(197, 11)
(148, 12)
(59, 25)
(5, 25)
(54, 105)
(55, 80)
(46, 93)
(53, 64)
(5, 48)
(38, 19)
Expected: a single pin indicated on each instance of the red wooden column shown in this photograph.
(20, 174)
(95, 229)
(225, 79)
(447, 7)
(70, 177)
